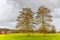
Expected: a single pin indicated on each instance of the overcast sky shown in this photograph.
(9, 9)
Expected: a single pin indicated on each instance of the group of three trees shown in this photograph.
(28, 20)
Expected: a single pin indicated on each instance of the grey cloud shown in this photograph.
(8, 15)
(13, 7)
(36, 3)
(56, 13)
(10, 25)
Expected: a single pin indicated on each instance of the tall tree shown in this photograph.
(24, 20)
(53, 29)
(44, 18)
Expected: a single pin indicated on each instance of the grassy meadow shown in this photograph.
(31, 37)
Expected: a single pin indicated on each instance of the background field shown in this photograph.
(32, 37)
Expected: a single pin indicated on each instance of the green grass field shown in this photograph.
(32, 37)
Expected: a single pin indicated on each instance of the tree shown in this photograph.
(24, 20)
(53, 29)
(44, 18)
